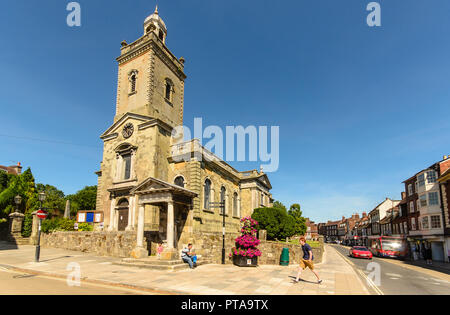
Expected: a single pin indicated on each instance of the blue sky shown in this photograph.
(360, 109)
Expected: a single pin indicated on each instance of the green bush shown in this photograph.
(27, 225)
(57, 224)
(276, 222)
(85, 227)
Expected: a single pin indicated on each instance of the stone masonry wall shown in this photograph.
(115, 244)
(271, 253)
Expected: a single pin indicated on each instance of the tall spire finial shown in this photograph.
(156, 9)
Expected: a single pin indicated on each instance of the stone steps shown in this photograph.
(169, 265)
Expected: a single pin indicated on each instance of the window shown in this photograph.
(125, 159)
(405, 227)
(161, 35)
(223, 193)
(413, 224)
(433, 198)
(133, 83)
(169, 90)
(411, 207)
(431, 177)
(127, 166)
(421, 180)
(132, 77)
(179, 181)
(207, 194)
(410, 190)
(435, 221)
(262, 199)
(423, 201)
(425, 223)
(235, 205)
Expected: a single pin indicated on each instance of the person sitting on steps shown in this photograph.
(189, 257)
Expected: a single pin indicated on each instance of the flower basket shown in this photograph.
(245, 254)
(242, 261)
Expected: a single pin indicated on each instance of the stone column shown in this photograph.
(130, 226)
(170, 252)
(34, 229)
(15, 223)
(170, 225)
(140, 251)
(111, 215)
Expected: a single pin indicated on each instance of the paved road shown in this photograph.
(398, 280)
(15, 283)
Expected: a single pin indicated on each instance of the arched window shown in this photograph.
(125, 153)
(179, 181)
(223, 193)
(133, 83)
(235, 205)
(169, 90)
(207, 194)
(132, 77)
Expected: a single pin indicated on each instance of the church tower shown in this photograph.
(150, 77)
(150, 96)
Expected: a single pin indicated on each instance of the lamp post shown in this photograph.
(221, 205)
(18, 201)
(38, 246)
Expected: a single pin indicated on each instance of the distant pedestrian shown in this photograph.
(429, 255)
(307, 261)
(159, 250)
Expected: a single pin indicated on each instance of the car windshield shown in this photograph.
(361, 249)
(392, 245)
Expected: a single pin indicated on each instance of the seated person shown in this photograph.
(189, 257)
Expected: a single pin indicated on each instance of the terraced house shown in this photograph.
(153, 185)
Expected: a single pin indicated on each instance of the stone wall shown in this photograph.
(271, 253)
(115, 244)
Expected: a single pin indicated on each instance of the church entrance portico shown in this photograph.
(175, 200)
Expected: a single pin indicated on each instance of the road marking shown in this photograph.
(369, 281)
(393, 275)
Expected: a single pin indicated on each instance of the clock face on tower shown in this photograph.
(128, 130)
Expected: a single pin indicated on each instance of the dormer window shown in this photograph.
(132, 78)
(169, 90)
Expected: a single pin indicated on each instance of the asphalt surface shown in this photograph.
(16, 283)
(393, 279)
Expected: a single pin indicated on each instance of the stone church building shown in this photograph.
(143, 184)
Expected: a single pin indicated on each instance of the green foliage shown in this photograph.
(57, 224)
(54, 200)
(85, 227)
(300, 221)
(85, 199)
(277, 204)
(276, 222)
(27, 225)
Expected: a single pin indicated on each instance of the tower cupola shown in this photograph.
(154, 23)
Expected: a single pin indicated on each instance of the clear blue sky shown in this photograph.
(359, 109)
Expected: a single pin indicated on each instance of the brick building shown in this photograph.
(15, 169)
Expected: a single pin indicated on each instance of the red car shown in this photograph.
(360, 252)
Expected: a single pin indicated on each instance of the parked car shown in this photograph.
(360, 252)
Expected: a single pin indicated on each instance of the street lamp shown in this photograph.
(42, 197)
(18, 201)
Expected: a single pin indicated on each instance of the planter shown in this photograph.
(242, 261)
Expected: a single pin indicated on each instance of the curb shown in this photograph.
(357, 271)
(94, 281)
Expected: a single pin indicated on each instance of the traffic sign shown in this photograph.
(41, 214)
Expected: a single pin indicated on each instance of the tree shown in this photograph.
(277, 204)
(300, 221)
(54, 198)
(84, 199)
(275, 221)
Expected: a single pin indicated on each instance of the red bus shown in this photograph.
(387, 246)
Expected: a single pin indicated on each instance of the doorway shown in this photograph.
(122, 211)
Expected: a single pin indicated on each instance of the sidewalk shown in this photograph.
(338, 276)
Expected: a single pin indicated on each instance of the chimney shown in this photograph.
(446, 157)
(364, 214)
(403, 195)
